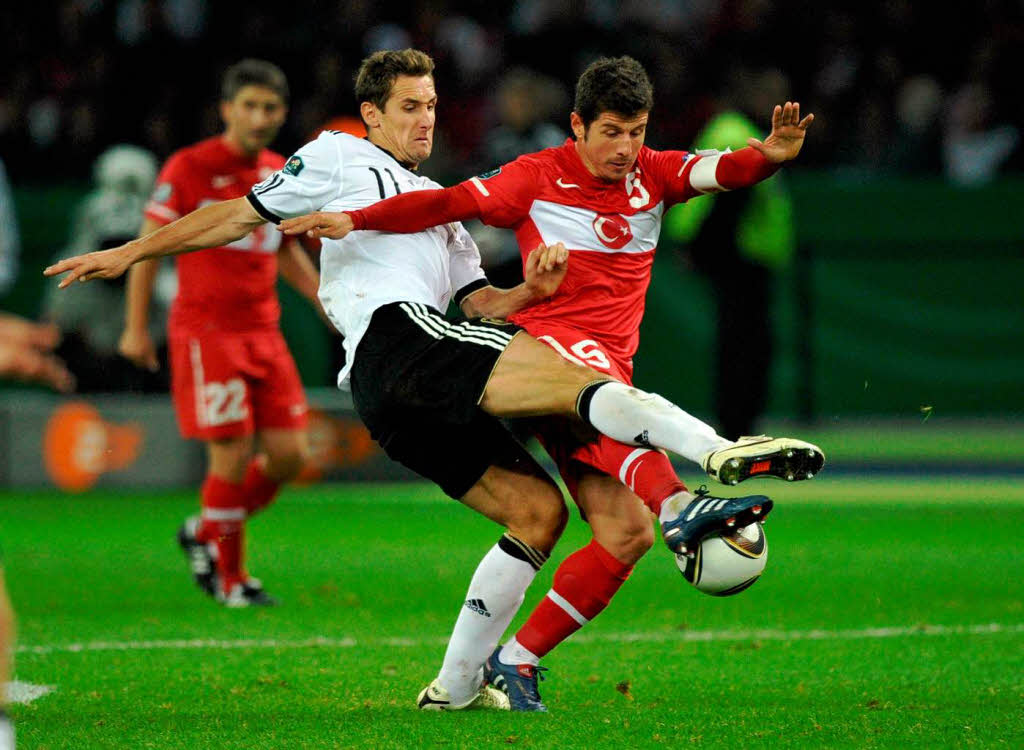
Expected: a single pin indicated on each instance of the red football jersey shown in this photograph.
(610, 229)
(228, 288)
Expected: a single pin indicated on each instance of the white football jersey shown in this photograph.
(366, 270)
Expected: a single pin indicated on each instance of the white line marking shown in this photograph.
(644, 637)
(26, 692)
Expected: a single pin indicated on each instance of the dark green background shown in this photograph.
(907, 296)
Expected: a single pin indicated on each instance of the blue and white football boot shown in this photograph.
(706, 515)
(517, 681)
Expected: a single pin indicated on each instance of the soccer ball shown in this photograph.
(728, 563)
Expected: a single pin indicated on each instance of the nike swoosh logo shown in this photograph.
(565, 184)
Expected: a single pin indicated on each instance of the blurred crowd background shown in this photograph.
(896, 85)
(883, 264)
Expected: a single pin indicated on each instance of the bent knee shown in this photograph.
(540, 522)
(627, 543)
(286, 465)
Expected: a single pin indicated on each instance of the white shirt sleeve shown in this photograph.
(309, 180)
(464, 271)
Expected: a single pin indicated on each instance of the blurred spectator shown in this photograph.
(739, 240)
(527, 102)
(870, 71)
(10, 240)
(89, 316)
(975, 146)
(918, 106)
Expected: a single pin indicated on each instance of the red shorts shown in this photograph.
(227, 385)
(568, 442)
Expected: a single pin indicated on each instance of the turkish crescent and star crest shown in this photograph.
(613, 230)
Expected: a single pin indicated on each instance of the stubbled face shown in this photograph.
(610, 145)
(253, 118)
(405, 126)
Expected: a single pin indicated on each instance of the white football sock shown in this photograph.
(674, 505)
(514, 652)
(635, 417)
(495, 594)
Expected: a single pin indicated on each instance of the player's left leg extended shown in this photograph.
(530, 379)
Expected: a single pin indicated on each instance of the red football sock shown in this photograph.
(584, 584)
(260, 490)
(222, 523)
(648, 473)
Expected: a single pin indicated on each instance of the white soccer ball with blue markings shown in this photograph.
(727, 564)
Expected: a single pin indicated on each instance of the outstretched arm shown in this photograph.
(210, 226)
(717, 171)
(407, 212)
(787, 136)
(544, 271)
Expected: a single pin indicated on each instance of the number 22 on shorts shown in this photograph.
(224, 402)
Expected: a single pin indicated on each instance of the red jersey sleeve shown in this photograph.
(504, 195)
(686, 174)
(170, 199)
(501, 198)
(416, 210)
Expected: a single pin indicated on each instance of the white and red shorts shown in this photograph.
(227, 385)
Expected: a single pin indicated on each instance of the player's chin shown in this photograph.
(260, 139)
(421, 149)
(617, 171)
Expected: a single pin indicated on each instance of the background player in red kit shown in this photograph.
(233, 380)
(602, 194)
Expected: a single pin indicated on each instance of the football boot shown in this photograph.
(764, 456)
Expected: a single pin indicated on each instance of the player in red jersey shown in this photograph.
(233, 380)
(603, 195)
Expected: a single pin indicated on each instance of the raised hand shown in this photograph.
(103, 264)
(333, 225)
(545, 268)
(787, 136)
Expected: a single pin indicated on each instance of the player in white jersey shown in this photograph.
(429, 389)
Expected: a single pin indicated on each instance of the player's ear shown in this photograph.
(225, 110)
(578, 129)
(370, 113)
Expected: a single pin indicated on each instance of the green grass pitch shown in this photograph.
(891, 614)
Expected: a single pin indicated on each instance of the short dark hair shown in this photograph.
(378, 72)
(613, 84)
(250, 72)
